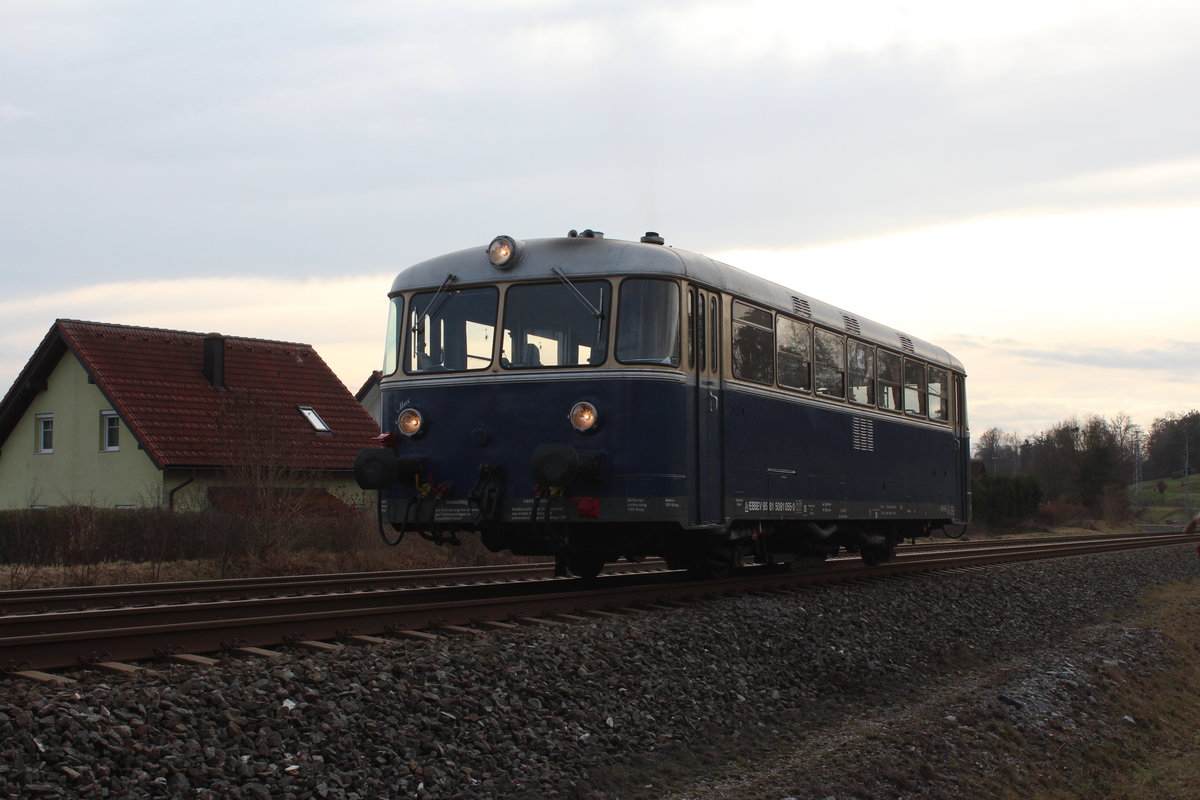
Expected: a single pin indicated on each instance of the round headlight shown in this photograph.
(502, 252)
(410, 422)
(583, 417)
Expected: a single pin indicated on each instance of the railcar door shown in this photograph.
(962, 438)
(704, 353)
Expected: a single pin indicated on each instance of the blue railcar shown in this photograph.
(594, 399)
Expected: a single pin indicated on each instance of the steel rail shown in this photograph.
(55, 641)
(20, 601)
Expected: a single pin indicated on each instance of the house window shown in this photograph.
(110, 431)
(314, 419)
(45, 433)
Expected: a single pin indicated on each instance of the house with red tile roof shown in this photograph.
(370, 395)
(125, 416)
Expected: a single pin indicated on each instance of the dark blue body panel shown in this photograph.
(785, 456)
(641, 440)
(796, 457)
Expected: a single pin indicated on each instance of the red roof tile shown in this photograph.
(155, 380)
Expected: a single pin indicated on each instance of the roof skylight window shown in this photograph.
(314, 419)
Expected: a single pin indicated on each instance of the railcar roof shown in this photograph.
(586, 257)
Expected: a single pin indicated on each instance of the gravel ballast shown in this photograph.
(615, 707)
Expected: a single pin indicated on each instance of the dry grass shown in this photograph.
(1159, 757)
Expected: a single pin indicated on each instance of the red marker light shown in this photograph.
(387, 439)
(587, 507)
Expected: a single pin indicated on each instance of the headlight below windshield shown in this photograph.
(584, 417)
(410, 422)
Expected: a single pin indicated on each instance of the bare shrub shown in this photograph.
(77, 545)
(1116, 504)
(23, 551)
(1059, 513)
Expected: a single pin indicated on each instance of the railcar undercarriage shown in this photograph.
(582, 550)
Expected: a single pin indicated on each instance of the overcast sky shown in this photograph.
(1018, 182)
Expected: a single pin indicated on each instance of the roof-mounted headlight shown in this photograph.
(584, 417)
(411, 423)
(503, 252)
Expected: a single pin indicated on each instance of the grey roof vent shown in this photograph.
(652, 237)
(906, 345)
(801, 307)
(852, 326)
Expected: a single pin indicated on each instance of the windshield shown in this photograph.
(648, 331)
(555, 325)
(451, 331)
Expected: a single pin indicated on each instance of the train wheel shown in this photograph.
(585, 565)
(714, 562)
(875, 554)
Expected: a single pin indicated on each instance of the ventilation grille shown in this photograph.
(906, 345)
(800, 306)
(863, 435)
(851, 325)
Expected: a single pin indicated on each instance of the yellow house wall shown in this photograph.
(78, 471)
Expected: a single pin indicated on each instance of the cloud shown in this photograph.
(1175, 359)
(344, 319)
(292, 142)
(10, 113)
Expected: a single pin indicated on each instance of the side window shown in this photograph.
(714, 341)
(391, 347)
(960, 402)
(914, 388)
(110, 431)
(794, 354)
(890, 380)
(691, 324)
(861, 373)
(44, 432)
(831, 363)
(753, 344)
(939, 394)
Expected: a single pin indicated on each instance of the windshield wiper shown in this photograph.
(429, 309)
(595, 312)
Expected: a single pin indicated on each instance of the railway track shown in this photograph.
(179, 626)
(79, 598)
(25, 601)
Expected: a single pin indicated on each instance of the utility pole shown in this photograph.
(1137, 467)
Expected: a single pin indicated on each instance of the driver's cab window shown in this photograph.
(555, 325)
(451, 331)
(648, 322)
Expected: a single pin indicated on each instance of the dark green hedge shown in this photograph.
(1000, 499)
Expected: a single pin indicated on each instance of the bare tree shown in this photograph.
(264, 476)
